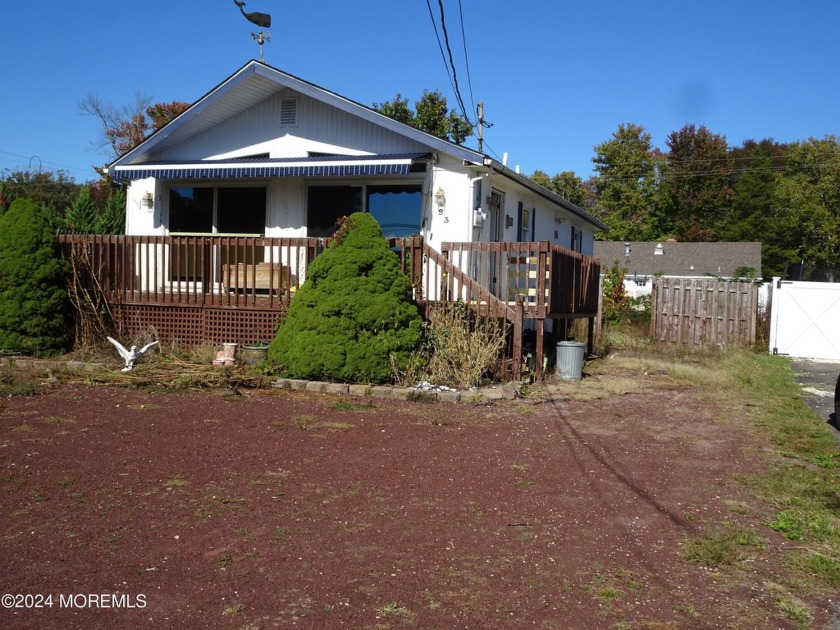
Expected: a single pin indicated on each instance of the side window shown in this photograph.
(525, 227)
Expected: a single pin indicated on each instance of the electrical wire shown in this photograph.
(491, 151)
(440, 45)
(63, 167)
(791, 168)
(448, 60)
(452, 64)
(466, 56)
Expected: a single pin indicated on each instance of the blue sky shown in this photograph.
(556, 77)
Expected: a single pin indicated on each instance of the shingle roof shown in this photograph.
(680, 259)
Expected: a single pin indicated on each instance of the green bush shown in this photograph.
(616, 303)
(33, 295)
(84, 217)
(353, 313)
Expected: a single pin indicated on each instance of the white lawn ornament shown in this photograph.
(131, 355)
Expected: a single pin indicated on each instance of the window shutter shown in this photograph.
(533, 224)
(519, 222)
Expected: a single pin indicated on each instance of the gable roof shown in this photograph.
(680, 259)
(256, 81)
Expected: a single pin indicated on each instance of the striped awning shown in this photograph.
(258, 168)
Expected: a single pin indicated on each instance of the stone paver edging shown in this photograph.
(484, 395)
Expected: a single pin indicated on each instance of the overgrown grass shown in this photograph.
(802, 482)
(722, 547)
(15, 382)
(459, 351)
(801, 479)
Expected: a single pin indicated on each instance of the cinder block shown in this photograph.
(381, 391)
(510, 391)
(449, 396)
(359, 390)
(492, 394)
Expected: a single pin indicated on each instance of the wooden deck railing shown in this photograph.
(439, 284)
(508, 281)
(549, 280)
(244, 272)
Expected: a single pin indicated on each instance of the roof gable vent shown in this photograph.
(288, 112)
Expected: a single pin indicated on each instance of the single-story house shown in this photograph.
(644, 260)
(266, 153)
(229, 202)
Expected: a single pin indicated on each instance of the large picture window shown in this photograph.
(397, 208)
(217, 210)
(224, 210)
(327, 204)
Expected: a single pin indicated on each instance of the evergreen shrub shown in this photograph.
(34, 310)
(353, 315)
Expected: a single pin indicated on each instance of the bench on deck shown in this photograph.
(271, 277)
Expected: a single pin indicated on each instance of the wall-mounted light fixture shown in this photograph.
(148, 200)
(440, 200)
(508, 221)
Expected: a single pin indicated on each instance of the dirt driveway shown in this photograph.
(293, 509)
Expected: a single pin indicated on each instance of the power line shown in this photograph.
(466, 56)
(440, 45)
(492, 152)
(791, 168)
(88, 171)
(452, 63)
(453, 73)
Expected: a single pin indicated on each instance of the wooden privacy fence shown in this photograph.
(703, 312)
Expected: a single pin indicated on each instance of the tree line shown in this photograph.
(787, 196)
(95, 207)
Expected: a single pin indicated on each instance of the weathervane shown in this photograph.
(263, 20)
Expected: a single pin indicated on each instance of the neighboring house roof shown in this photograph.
(257, 81)
(680, 259)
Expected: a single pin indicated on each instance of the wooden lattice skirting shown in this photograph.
(190, 326)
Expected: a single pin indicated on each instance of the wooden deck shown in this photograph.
(212, 289)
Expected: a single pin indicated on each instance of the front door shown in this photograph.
(495, 218)
(495, 215)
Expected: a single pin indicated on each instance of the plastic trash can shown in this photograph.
(570, 360)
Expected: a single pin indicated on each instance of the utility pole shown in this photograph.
(482, 125)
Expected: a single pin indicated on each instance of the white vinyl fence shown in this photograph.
(805, 319)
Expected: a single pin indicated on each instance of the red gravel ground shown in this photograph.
(286, 509)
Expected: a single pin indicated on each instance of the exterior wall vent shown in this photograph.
(658, 250)
(288, 112)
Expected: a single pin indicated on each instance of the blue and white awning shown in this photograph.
(259, 168)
